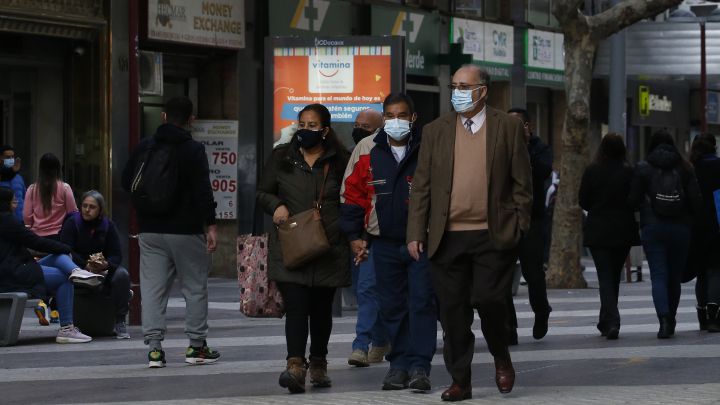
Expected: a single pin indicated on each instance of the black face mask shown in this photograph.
(358, 134)
(308, 138)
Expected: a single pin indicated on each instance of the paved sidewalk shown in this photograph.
(572, 365)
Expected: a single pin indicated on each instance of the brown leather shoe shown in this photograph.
(504, 374)
(457, 393)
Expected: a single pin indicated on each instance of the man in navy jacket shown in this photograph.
(375, 199)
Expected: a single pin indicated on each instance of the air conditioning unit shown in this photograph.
(151, 73)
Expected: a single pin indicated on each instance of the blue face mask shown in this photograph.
(397, 129)
(9, 162)
(462, 100)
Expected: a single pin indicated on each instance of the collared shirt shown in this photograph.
(477, 121)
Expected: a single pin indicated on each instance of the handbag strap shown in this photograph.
(326, 170)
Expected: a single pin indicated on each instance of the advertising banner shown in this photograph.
(545, 58)
(219, 23)
(491, 45)
(346, 79)
(659, 104)
(220, 139)
(310, 17)
(422, 36)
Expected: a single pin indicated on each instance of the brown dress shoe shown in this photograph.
(457, 393)
(504, 375)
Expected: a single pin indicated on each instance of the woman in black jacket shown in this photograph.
(705, 247)
(610, 228)
(19, 272)
(89, 233)
(290, 184)
(666, 191)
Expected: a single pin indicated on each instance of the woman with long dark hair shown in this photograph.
(666, 191)
(610, 228)
(290, 184)
(20, 272)
(704, 254)
(49, 199)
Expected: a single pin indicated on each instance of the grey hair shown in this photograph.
(483, 75)
(98, 197)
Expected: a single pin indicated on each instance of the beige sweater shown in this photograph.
(468, 199)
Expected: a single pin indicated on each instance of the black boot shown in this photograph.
(713, 317)
(664, 331)
(702, 317)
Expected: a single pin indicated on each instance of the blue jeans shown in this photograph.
(666, 247)
(369, 327)
(56, 269)
(407, 305)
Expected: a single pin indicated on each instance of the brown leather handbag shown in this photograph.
(302, 236)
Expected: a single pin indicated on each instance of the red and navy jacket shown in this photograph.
(376, 188)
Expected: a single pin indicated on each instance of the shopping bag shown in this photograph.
(259, 297)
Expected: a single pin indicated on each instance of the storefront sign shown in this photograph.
(219, 23)
(499, 42)
(422, 36)
(491, 45)
(310, 17)
(544, 58)
(660, 104)
(220, 139)
(346, 79)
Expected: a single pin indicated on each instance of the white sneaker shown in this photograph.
(71, 334)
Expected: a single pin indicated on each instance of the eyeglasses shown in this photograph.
(465, 86)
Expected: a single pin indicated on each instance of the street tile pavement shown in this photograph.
(572, 365)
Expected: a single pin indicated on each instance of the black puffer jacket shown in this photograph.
(664, 157)
(19, 272)
(288, 180)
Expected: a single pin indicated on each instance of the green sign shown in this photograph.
(422, 36)
(644, 100)
(545, 77)
(310, 17)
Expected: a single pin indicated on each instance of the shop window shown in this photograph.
(479, 8)
(539, 13)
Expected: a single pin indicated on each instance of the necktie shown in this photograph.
(468, 125)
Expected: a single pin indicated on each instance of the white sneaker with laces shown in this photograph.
(71, 334)
(82, 274)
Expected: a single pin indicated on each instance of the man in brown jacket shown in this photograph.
(469, 206)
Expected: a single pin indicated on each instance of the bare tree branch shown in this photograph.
(624, 14)
(567, 10)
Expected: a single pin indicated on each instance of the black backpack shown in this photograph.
(667, 194)
(154, 188)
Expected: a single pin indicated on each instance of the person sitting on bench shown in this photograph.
(96, 247)
(19, 272)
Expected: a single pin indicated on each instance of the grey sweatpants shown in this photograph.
(162, 258)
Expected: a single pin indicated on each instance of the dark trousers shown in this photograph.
(117, 286)
(468, 272)
(305, 305)
(407, 305)
(609, 263)
(705, 254)
(531, 264)
(666, 248)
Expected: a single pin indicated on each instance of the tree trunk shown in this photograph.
(564, 267)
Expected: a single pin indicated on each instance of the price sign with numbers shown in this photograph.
(220, 139)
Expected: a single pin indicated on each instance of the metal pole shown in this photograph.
(133, 139)
(618, 83)
(703, 80)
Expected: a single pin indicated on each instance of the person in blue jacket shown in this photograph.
(375, 198)
(10, 177)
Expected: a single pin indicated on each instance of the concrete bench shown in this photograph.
(12, 307)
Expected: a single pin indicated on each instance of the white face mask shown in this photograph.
(9, 162)
(397, 129)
